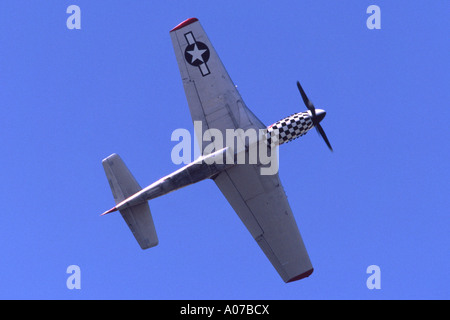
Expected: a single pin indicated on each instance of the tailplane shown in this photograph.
(124, 185)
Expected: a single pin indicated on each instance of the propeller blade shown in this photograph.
(324, 136)
(314, 118)
(307, 102)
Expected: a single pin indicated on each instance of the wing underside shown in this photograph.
(261, 204)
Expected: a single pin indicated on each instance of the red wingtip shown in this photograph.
(301, 276)
(184, 24)
(109, 211)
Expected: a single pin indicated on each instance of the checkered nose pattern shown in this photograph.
(289, 128)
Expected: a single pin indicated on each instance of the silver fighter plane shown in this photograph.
(258, 199)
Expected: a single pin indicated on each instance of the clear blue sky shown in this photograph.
(70, 98)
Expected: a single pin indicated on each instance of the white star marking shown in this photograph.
(196, 54)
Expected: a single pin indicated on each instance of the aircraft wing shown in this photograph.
(261, 204)
(259, 200)
(211, 94)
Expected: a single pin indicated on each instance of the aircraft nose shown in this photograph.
(320, 114)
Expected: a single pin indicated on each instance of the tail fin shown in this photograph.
(124, 185)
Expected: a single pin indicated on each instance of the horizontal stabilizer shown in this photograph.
(121, 181)
(139, 220)
(124, 185)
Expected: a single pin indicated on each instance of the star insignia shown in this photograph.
(196, 54)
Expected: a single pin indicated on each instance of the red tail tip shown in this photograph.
(109, 211)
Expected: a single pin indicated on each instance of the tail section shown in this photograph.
(124, 185)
